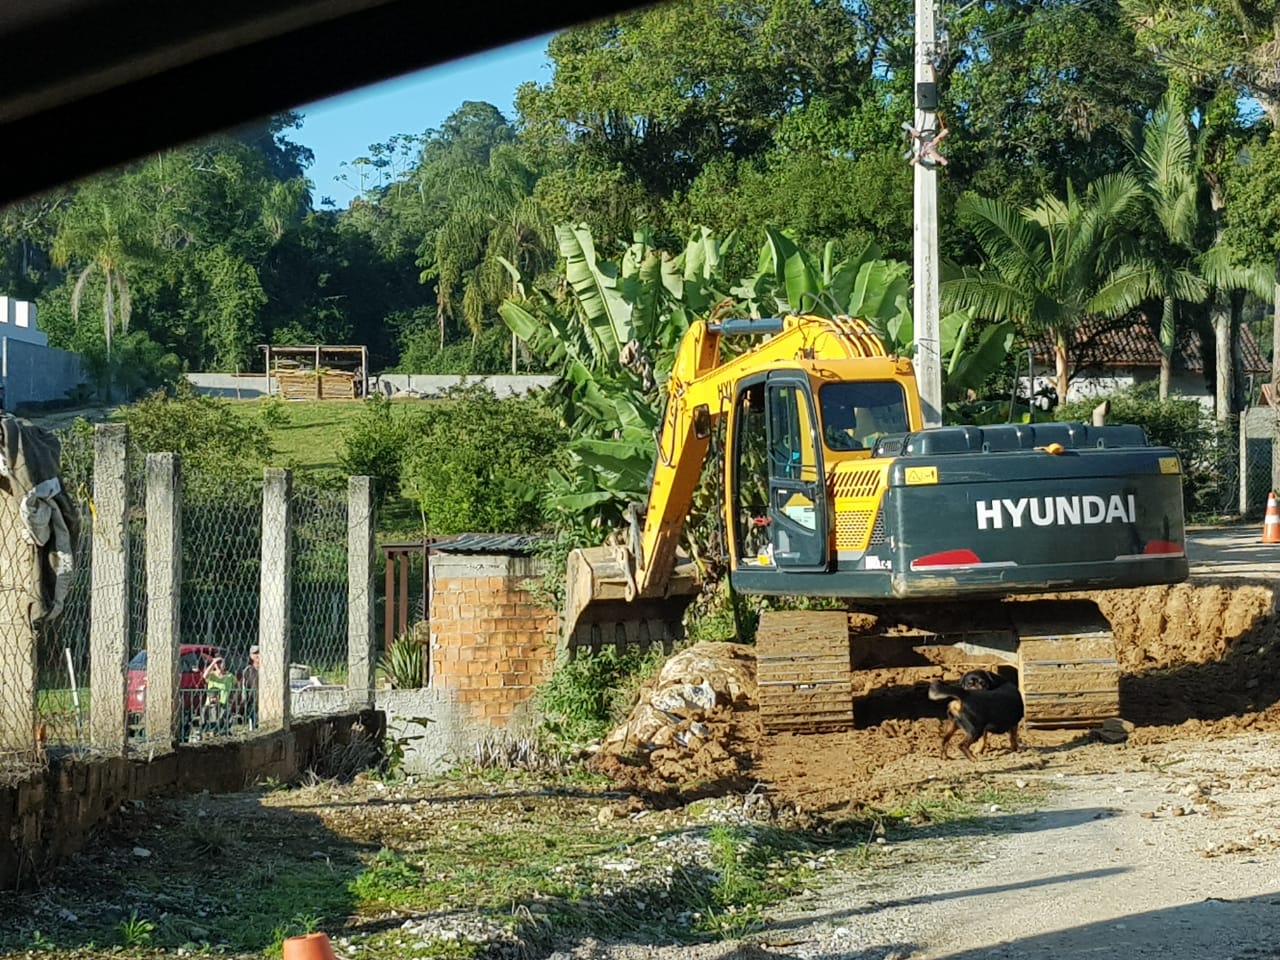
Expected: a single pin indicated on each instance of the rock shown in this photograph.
(141, 852)
(685, 700)
(1115, 730)
(1020, 784)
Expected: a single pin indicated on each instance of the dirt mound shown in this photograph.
(694, 730)
(1197, 660)
(1186, 622)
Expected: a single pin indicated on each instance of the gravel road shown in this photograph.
(1176, 855)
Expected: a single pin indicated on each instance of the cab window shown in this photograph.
(856, 415)
(794, 457)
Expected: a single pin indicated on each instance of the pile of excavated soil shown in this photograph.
(1197, 660)
(694, 730)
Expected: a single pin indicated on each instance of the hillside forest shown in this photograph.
(1108, 159)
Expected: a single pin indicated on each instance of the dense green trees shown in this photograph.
(760, 118)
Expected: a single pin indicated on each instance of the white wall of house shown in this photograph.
(18, 321)
(31, 371)
(1184, 384)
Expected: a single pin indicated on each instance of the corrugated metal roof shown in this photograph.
(1133, 343)
(519, 544)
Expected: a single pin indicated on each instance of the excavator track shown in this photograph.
(803, 670)
(808, 662)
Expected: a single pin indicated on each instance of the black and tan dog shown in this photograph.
(983, 702)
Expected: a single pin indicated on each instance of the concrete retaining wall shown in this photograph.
(52, 813)
(34, 373)
(435, 385)
(430, 727)
(234, 386)
(248, 386)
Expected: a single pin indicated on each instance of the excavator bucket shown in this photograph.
(601, 607)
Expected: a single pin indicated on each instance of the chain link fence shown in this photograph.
(1215, 468)
(221, 551)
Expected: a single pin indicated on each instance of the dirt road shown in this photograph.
(1177, 856)
(1168, 852)
(1165, 846)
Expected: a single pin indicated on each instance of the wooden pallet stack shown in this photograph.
(310, 385)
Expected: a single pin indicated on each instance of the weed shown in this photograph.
(387, 879)
(40, 942)
(260, 874)
(403, 664)
(394, 748)
(207, 839)
(587, 695)
(135, 932)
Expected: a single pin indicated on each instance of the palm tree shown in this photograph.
(493, 217)
(1052, 265)
(1168, 165)
(1190, 266)
(97, 232)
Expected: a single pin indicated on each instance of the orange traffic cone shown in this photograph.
(314, 946)
(1271, 522)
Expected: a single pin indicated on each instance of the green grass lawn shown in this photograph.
(311, 435)
(311, 439)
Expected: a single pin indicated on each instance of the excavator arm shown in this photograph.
(638, 593)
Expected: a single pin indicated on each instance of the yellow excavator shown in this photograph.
(933, 543)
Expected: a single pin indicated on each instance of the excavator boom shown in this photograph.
(639, 592)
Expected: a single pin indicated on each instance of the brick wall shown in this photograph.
(491, 644)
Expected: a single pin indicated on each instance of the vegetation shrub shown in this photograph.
(1207, 450)
(375, 442)
(475, 463)
(588, 695)
(134, 365)
(206, 432)
(487, 353)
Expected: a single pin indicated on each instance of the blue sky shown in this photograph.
(341, 128)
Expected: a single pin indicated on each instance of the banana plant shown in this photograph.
(864, 285)
(612, 340)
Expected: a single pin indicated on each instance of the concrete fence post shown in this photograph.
(18, 677)
(274, 600)
(361, 662)
(164, 597)
(109, 590)
(1243, 462)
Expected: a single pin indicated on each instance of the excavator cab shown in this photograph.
(777, 494)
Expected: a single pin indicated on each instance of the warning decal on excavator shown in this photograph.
(1169, 465)
(916, 476)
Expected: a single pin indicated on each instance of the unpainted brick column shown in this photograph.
(491, 644)
(274, 601)
(164, 596)
(109, 590)
(360, 591)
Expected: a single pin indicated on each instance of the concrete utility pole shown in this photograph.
(928, 360)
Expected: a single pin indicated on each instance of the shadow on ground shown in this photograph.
(222, 871)
(1247, 929)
